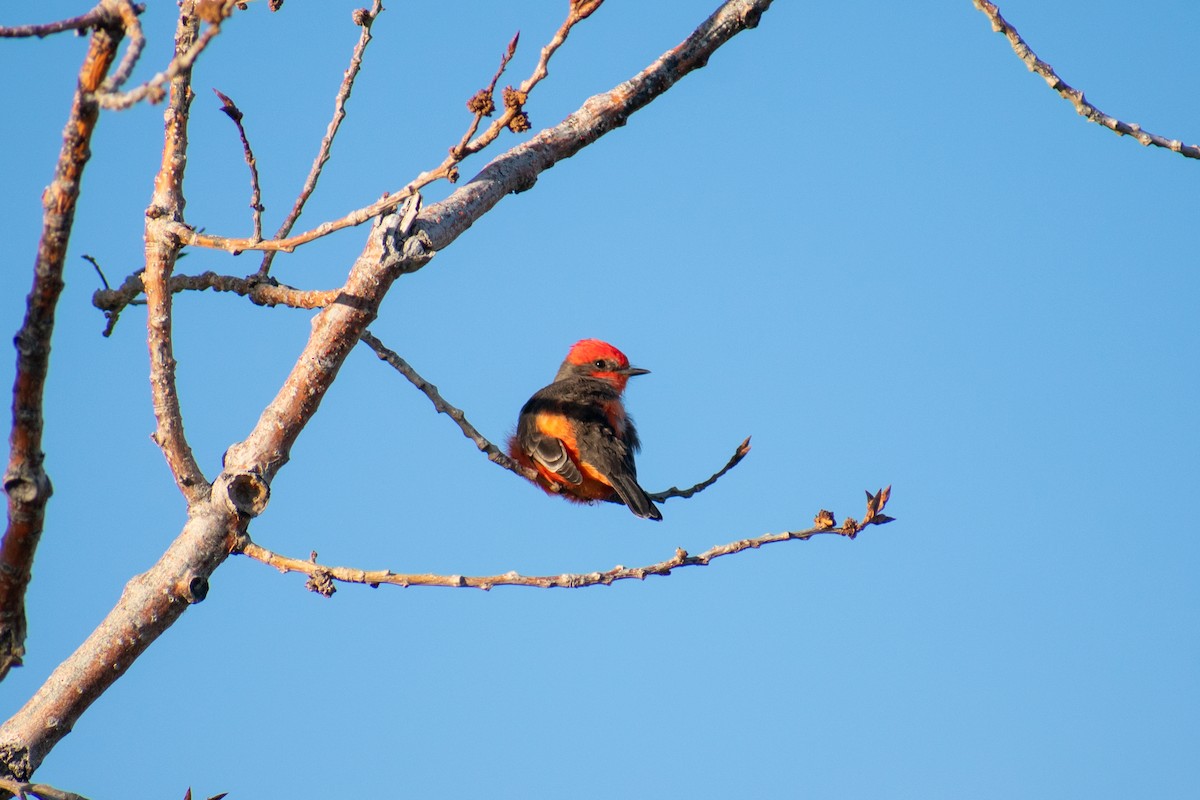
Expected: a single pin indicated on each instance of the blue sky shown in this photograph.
(864, 234)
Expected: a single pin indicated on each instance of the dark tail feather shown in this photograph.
(635, 498)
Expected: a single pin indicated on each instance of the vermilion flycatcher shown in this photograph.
(576, 434)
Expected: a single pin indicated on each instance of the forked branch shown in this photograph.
(513, 117)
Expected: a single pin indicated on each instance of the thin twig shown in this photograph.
(1075, 96)
(128, 13)
(256, 207)
(447, 169)
(96, 266)
(25, 480)
(494, 454)
(674, 491)
(22, 790)
(483, 103)
(94, 17)
(364, 20)
(320, 576)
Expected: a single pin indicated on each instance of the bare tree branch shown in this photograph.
(152, 89)
(321, 577)
(483, 103)
(150, 604)
(162, 249)
(364, 19)
(153, 601)
(494, 454)
(128, 12)
(41, 790)
(263, 292)
(517, 170)
(102, 13)
(1076, 96)
(513, 117)
(675, 491)
(25, 480)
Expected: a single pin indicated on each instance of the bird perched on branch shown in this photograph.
(576, 434)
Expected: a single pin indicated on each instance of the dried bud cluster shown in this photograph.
(519, 123)
(513, 98)
(481, 103)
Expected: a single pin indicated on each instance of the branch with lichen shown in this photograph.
(321, 578)
(1076, 96)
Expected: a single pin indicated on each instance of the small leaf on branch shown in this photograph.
(875, 504)
(582, 9)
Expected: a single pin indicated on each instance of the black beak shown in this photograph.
(631, 371)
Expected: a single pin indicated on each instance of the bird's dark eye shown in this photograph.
(599, 362)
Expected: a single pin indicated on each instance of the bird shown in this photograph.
(577, 435)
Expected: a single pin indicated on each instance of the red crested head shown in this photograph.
(592, 358)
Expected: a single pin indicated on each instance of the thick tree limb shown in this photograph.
(154, 600)
(25, 479)
(1076, 96)
(149, 605)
